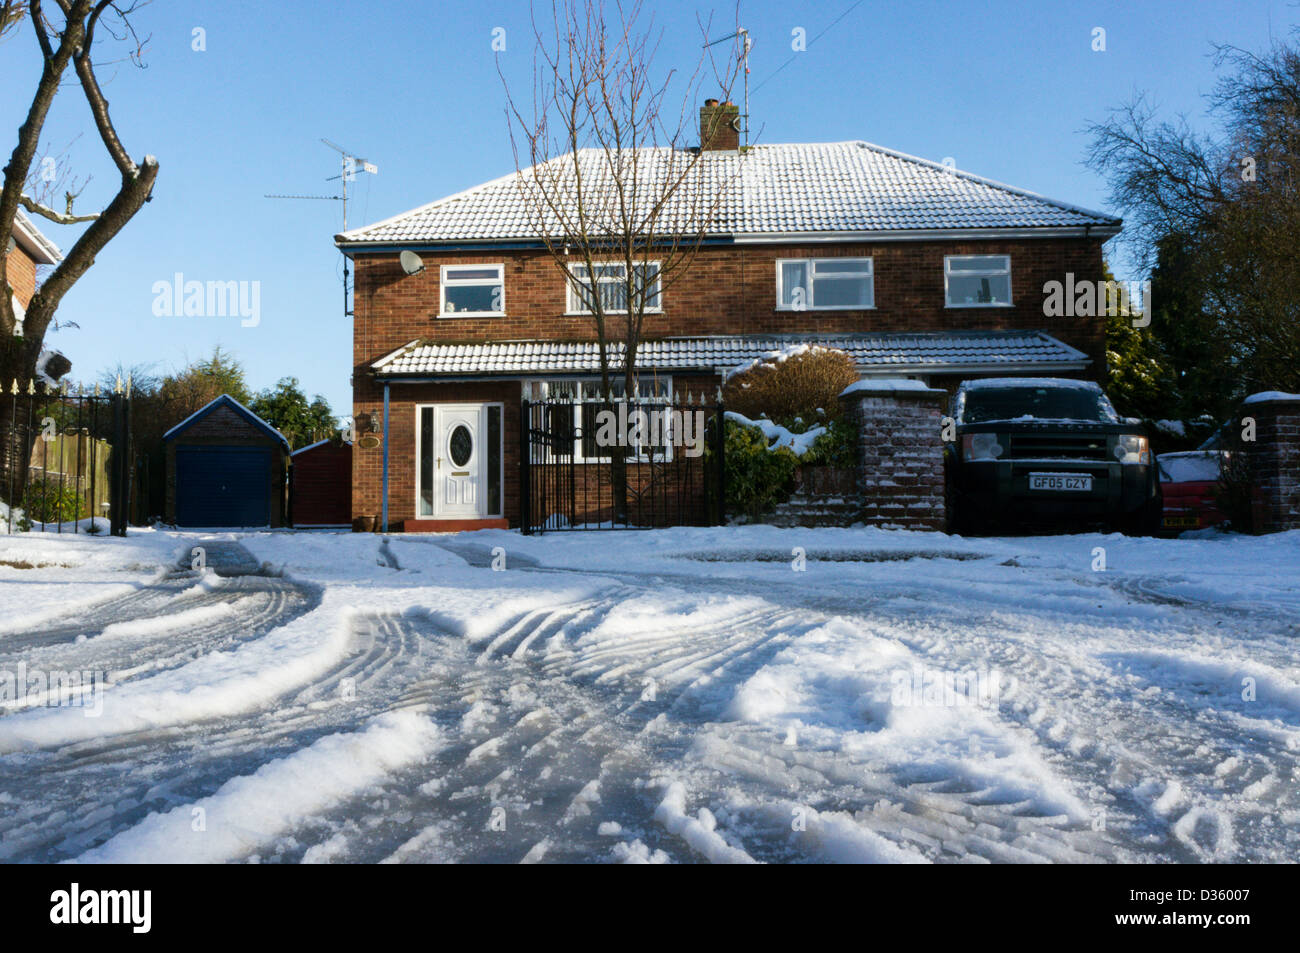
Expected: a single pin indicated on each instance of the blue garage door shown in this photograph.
(223, 486)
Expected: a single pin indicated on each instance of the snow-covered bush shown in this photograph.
(757, 476)
(797, 388)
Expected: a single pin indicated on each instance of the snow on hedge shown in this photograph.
(778, 356)
(778, 436)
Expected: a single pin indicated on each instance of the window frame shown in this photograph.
(536, 384)
(444, 282)
(947, 274)
(812, 277)
(572, 304)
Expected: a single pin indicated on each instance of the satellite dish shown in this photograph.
(412, 263)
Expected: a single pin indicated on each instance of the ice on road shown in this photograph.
(731, 695)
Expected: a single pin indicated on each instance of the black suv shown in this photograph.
(1040, 449)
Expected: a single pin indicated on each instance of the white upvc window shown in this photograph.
(977, 281)
(825, 284)
(572, 408)
(472, 291)
(610, 285)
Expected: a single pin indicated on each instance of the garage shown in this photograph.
(225, 468)
(320, 482)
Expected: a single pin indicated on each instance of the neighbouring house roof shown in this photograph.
(808, 191)
(930, 353)
(39, 248)
(225, 400)
(320, 443)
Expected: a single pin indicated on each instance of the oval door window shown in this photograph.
(462, 445)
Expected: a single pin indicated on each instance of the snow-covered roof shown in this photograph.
(39, 248)
(936, 353)
(769, 192)
(225, 400)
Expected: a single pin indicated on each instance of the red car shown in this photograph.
(1188, 481)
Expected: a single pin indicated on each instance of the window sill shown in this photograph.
(471, 314)
(960, 307)
(856, 307)
(588, 314)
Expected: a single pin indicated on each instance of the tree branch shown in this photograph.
(36, 208)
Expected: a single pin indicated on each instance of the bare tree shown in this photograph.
(605, 173)
(66, 36)
(1231, 202)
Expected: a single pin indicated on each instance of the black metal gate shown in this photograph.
(66, 460)
(622, 464)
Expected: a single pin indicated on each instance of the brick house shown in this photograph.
(915, 269)
(26, 249)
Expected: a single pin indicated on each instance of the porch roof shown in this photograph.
(930, 353)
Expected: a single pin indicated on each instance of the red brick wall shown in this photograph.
(730, 290)
(21, 273)
(368, 464)
(1275, 456)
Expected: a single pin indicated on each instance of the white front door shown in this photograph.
(458, 460)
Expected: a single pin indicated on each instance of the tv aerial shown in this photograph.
(352, 166)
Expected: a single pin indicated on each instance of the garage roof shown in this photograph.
(225, 400)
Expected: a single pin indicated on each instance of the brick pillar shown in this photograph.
(900, 452)
(1275, 456)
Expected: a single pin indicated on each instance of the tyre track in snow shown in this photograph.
(1112, 744)
(584, 754)
(547, 737)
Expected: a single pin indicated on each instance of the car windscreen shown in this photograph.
(1045, 403)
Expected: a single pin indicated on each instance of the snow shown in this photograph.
(1270, 395)
(1176, 427)
(998, 383)
(777, 356)
(778, 436)
(1189, 466)
(696, 694)
(248, 810)
(888, 384)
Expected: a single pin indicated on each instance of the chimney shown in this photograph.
(719, 126)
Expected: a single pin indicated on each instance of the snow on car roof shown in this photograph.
(1061, 383)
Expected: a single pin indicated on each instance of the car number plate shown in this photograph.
(1181, 521)
(1060, 481)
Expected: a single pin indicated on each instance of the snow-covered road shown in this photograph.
(747, 694)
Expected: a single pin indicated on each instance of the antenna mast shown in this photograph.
(352, 164)
(746, 45)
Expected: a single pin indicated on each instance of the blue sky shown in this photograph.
(1004, 88)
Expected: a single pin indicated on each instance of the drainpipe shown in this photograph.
(385, 513)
